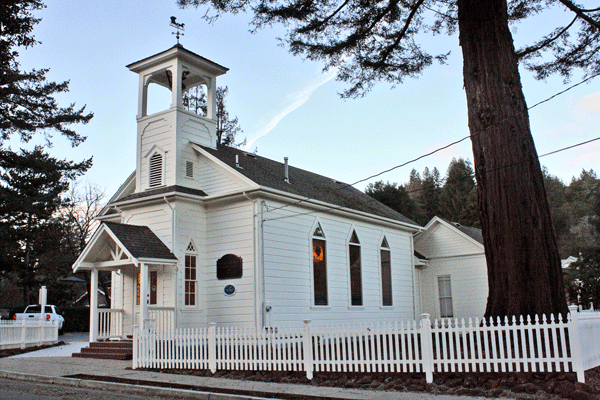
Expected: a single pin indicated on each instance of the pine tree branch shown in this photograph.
(581, 13)
(546, 42)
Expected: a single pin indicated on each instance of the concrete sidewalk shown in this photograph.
(37, 366)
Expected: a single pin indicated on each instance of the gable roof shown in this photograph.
(473, 233)
(268, 173)
(140, 241)
(115, 245)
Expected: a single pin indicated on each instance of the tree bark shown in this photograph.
(524, 271)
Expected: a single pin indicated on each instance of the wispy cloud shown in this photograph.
(297, 101)
(589, 104)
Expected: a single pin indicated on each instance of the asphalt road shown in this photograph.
(21, 390)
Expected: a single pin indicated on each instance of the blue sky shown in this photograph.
(286, 106)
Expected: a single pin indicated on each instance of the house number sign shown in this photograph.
(229, 290)
(229, 267)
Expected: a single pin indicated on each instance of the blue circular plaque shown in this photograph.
(229, 290)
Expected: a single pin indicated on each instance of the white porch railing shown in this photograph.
(162, 319)
(110, 323)
(23, 333)
(523, 345)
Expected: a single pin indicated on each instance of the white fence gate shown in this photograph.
(23, 333)
(522, 345)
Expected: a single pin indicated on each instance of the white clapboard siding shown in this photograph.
(214, 180)
(288, 268)
(230, 230)
(451, 253)
(442, 241)
(468, 279)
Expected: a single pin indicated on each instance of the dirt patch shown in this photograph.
(519, 386)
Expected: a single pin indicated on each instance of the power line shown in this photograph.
(444, 147)
(295, 214)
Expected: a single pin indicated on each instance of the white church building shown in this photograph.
(205, 233)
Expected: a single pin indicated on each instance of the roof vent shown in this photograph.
(251, 155)
(237, 161)
(287, 170)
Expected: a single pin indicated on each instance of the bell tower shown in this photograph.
(165, 138)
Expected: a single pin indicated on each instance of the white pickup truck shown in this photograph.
(33, 313)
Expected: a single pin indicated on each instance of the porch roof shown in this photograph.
(115, 245)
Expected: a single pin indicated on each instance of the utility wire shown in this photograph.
(371, 200)
(444, 147)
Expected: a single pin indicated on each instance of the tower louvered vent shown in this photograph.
(189, 169)
(155, 170)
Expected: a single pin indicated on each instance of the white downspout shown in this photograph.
(256, 221)
(176, 281)
(416, 311)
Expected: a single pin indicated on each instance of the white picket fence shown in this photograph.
(517, 345)
(23, 333)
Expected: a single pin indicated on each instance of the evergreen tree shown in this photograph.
(370, 41)
(31, 184)
(30, 180)
(458, 201)
(431, 191)
(27, 103)
(559, 210)
(393, 196)
(583, 278)
(227, 129)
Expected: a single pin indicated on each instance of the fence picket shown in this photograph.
(523, 344)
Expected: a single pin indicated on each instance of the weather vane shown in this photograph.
(180, 27)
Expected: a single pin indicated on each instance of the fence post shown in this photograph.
(426, 348)
(575, 343)
(136, 343)
(307, 349)
(212, 347)
(23, 333)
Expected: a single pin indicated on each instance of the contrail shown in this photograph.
(298, 101)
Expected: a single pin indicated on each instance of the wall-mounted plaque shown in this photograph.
(229, 267)
(229, 290)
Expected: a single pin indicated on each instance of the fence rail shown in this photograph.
(517, 345)
(23, 333)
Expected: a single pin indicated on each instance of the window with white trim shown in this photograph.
(445, 296)
(356, 295)
(319, 267)
(386, 273)
(190, 280)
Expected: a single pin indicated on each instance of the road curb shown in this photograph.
(127, 388)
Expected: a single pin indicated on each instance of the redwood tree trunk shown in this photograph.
(524, 271)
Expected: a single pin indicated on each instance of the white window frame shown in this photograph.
(312, 237)
(389, 250)
(440, 279)
(362, 293)
(185, 280)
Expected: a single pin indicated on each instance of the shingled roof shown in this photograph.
(140, 241)
(269, 173)
(473, 233)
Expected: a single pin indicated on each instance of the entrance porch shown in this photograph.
(140, 264)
